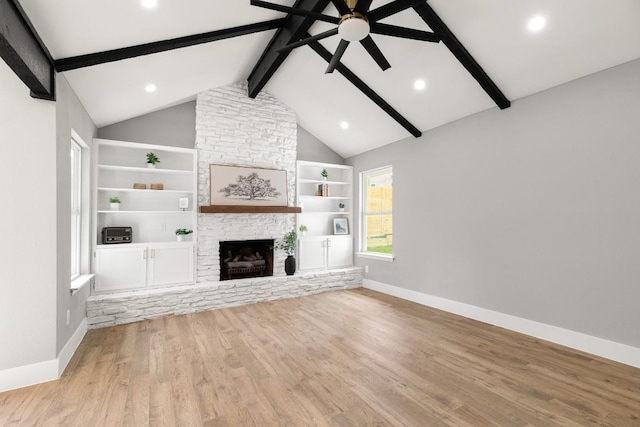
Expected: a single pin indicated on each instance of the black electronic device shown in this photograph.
(114, 235)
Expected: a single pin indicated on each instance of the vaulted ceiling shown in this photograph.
(580, 37)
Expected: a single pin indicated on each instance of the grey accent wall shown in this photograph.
(28, 249)
(312, 149)
(533, 211)
(70, 114)
(173, 126)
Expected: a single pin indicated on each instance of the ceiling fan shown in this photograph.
(356, 22)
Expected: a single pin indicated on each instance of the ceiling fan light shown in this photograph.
(353, 29)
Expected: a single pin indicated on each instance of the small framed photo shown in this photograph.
(340, 226)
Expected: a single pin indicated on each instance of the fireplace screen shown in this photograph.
(241, 259)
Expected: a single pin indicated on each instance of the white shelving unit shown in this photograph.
(320, 247)
(154, 258)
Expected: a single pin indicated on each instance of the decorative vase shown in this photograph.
(151, 166)
(290, 265)
(341, 209)
(180, 237)
(114, 206)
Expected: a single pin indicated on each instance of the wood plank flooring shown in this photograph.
(348, 358)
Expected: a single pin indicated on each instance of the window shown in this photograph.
(377, 202)
(76, 207)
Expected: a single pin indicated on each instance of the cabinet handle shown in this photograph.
(153, 253)
(144, 254)
(328, 243)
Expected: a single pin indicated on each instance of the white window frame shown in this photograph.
(363, 215)
(75, 154)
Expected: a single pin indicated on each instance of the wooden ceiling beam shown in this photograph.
(431, 18)
(365, 89)
(81, 61)
(24, 52)
(294, 29)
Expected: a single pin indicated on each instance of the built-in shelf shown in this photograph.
(145, 212)
(249, 209)
(115, 189)
(321, 181)
(145, 170)
(323, 197)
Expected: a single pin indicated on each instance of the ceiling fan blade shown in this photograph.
(391, 9)
(342, 7)
(308, 40)
(295, 11)
(362, 6)
(402, 32)
(375, 52)
(335, 59)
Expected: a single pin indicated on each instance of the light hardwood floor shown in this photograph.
(342, 358)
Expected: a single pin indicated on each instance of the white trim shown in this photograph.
(71, 346)
(23, 376)
(80, 281)
(589, 344)
(379, 257)
(36, 373)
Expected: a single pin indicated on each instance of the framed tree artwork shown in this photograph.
(235, 185)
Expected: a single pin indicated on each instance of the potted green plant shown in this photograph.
(288, 244)
(324, 174)
(114, 203)
(303, 229)
(152, 160)
(181, 232)
(341, 207)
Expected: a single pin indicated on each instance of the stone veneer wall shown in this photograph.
(128, 307)
(233, 129)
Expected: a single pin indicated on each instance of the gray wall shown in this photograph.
(312, 149)
(70, 114)
(174, 126)
(533, 211)
(28, 250)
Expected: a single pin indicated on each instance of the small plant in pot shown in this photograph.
(114, 203)
(341, 207)
(181, 233)
(303, 229)
(324, 174)
(152, 160)
(288, 244)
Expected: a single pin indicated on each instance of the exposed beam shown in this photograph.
(436, 24)
(364, 88)
(97, 58)
(24, 52)
(294, 29)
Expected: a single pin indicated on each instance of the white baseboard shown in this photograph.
(36, 373)
(71, 346)
(589, 344)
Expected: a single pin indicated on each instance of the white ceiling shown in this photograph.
(581, 37)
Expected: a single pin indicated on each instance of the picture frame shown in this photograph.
(238, 185)
(340, 226)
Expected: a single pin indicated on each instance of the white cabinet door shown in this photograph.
(339, 252)
(170, 265)
(120, 269)
(312, 253)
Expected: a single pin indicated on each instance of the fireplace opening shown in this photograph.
(241, 259)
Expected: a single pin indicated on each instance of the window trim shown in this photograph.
(363, 253)
(84, 177)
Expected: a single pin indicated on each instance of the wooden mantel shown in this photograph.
(244, 209)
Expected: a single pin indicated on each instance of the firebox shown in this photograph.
(241, 259)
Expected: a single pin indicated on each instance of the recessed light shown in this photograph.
(536, 23)
(149, 4)
(150, 88)
(419, 84)
(344, 125)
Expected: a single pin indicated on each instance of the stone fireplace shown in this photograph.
(233, 129)
(243, 259)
